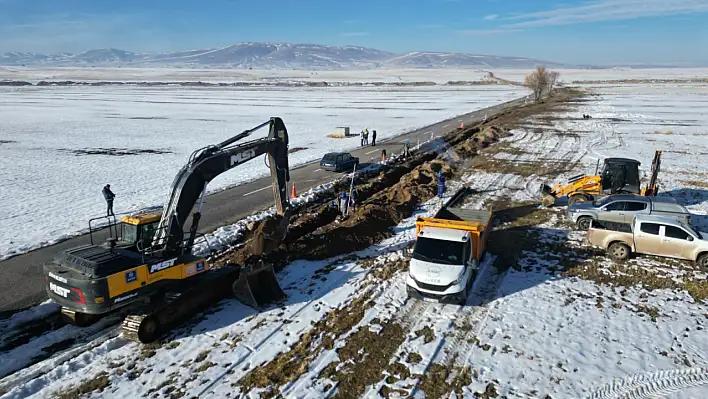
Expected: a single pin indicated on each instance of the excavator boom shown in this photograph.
(652, 189)
(207, 163)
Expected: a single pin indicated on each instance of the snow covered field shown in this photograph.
(560, 321)
(51, 187)
(439, 76)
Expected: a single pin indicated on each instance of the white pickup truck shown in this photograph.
(650, 235)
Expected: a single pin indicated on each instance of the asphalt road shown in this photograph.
(22, 284)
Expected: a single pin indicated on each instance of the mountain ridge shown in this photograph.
(272, 55)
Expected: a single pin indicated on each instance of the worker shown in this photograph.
(366, 136)
(353, 199)
(343, 203)
(406, 149)
(362, 138)
(441, 186)
(373, 138)
(108, 195)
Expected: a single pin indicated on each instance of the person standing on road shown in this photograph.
(108, 195)
(366, 136)
(373, 138)
(362, 138)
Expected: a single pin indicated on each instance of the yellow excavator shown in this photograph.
(146, 267)
(617, 176)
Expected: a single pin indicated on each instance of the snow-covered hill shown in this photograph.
(271, 55)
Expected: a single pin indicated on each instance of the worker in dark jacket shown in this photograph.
(373, 138)
(441, 186)
(108, 195)
(354, 199)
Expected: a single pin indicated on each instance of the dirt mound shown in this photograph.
(389, 196)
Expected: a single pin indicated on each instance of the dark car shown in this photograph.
(338, 161)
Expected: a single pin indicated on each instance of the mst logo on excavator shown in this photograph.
(162, 265)
(242, 156)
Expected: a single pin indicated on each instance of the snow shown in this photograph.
(50, 192)
(439, 76)
(530, 331)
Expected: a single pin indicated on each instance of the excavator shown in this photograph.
(617, 176)
(146, 268)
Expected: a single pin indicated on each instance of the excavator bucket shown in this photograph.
(547, 197)
(258, 286)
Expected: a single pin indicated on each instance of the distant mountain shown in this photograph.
(272, 56)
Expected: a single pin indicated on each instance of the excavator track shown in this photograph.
(253, 287)
(78, 318)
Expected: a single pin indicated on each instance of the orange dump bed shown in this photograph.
(474, 221)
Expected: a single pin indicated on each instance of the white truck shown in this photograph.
(447, 252)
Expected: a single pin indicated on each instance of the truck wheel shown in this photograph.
(619, 251)
(583, 223)
(702, 262)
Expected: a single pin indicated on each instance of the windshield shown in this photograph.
(438, 251)
(130, 232)
(602, 201)
(690, 229)
(330, 157)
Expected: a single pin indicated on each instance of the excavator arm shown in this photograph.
(653, 187)
(205, 164)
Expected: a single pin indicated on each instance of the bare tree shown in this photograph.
(552, 79)
(540, 81)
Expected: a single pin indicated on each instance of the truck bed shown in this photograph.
(481, 216)
(614, 226)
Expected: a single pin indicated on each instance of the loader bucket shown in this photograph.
(257, 287)
(547, 197)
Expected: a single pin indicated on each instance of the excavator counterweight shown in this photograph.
(150, 269)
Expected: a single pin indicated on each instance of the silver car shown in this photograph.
(622, 208)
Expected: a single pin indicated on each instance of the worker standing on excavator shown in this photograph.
(108, 195)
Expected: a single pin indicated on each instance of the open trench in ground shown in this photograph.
(389, 195)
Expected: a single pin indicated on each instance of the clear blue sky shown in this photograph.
(599, 31)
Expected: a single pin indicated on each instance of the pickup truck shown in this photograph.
(622, 208)
(447, 252)
(650, 235)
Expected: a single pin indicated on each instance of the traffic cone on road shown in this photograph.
(383, 156)
(293, 194)
(462, 125)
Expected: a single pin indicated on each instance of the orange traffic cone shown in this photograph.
(383, 157)
(293, 194)
(462, 125)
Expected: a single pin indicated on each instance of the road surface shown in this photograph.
(22, 284)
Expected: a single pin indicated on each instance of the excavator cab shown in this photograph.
(138, 230)
(620, 175)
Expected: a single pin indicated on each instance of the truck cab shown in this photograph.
(446, 255)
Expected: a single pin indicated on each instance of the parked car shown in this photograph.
(338, 161)
(622, 208)
(651, 235)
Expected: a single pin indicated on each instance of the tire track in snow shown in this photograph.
(650, 385)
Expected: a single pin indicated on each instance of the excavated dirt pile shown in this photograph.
(387, 197)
